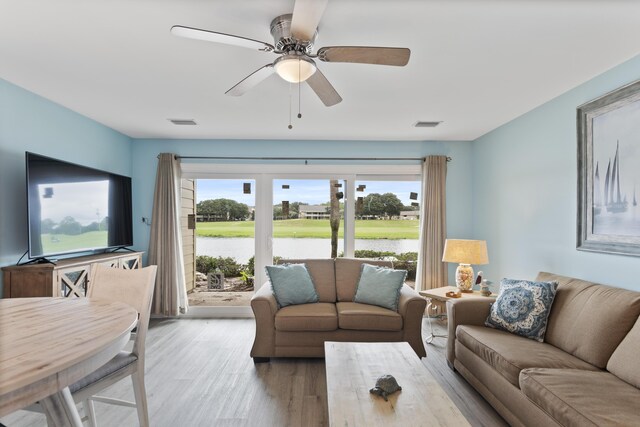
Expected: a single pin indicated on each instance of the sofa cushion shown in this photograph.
(582, 398)
(379, 286)
(589, 320)
(508, 354)
(522, 308)
(348, 274)
(291, 284)
(321, 316)
(623, 360)
(365, 317)
(323, 274)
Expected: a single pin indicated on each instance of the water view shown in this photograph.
(308, 214)
(243, 248)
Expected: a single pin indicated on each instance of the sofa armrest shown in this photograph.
(264, 308)
(411, 307)
(408, 295)
(464, 312)
(264, 296)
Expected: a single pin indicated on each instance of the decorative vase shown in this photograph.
(464, 278)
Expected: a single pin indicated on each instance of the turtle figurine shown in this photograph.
(385, 385)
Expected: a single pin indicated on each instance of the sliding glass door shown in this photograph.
(387, 221)
(308, 218)
(225, 242)
(246, 221)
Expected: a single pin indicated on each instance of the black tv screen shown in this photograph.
(72, 208)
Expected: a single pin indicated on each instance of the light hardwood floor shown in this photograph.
(199, 373)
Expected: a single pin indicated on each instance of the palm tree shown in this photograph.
(334, 216)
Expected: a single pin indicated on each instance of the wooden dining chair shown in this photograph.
(133, 287)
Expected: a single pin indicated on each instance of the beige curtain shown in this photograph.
(165, 245)
(432, 272)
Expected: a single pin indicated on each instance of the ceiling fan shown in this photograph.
(294, 36)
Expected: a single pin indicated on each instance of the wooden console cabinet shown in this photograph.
(67, 278)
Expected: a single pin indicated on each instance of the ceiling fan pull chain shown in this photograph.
(299, 90)
(290, 125)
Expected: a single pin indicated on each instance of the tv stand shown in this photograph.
(69, 277)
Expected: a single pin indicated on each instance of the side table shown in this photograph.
(437, 298)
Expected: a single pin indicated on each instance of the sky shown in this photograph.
(311, 191)
(86, 202)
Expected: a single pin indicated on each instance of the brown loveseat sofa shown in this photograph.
(584, 374)
(301, 330)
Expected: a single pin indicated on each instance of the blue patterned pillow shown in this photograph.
(291, 284)
(523, 307)
(380, 286)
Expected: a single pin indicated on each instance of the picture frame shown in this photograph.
(609, 172)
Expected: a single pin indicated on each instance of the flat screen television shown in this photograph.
(73, 208)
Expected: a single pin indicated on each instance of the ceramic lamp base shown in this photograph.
(464, 278)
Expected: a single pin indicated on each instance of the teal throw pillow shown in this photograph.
(523, 307)
(291, 284)
(380, 286)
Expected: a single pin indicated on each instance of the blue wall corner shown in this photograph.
(29, 122)
(525, 191)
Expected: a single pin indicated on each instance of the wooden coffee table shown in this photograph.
(352, 369)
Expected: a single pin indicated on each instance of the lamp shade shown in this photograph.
(465, 251)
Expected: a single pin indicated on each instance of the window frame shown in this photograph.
(264, 176)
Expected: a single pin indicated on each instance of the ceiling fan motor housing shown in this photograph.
(284, 41)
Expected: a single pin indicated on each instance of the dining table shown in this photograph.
(47, 344)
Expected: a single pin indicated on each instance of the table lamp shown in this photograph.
(465, 252)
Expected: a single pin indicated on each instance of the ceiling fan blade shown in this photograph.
(323, 89)
(306, 17)
(398, 56)
(212, 36)
(251, 80)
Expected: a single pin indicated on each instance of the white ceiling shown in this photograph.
(474, 64)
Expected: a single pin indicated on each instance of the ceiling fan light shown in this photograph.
(295, 69)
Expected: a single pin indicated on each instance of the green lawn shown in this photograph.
(317, 228)
(57, 243)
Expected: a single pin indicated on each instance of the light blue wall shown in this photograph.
(458, 176)
(514, 187)
(29, 122)
(525, 192)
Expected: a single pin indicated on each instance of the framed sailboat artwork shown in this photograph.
(609, 172)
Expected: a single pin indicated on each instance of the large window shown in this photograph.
(308, 218)
(387, 221)
(306, 212)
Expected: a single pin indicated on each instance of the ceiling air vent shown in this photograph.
(183, 122)
(426, 124)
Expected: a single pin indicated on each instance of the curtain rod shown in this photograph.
(300, 158)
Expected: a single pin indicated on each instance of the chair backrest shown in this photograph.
(133, 287)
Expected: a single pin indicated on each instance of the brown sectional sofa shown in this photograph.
(584, 374)
(301, 330)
